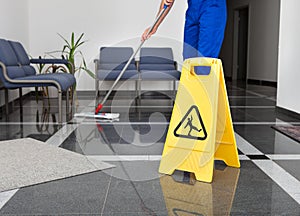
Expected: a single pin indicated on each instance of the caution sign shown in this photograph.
(200, 129)
(191, 127)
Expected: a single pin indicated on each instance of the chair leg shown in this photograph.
(6, 102)
(73, 93)
(67, 102)
(135, 88)
(21, 104)
(21, 112)
(59, 106)
(20, 97)
(174, 88)
(140, 90)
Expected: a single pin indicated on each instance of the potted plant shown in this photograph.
(72, 53)
(50, 91)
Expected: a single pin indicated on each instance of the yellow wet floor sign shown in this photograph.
(201, 127)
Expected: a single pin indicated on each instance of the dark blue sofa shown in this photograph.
(111, 62)
(155, 64)
(16, 72)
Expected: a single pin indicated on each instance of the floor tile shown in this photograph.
(244, 191)
(135, 143)
(117, 139)
(257, 194)
(291, 166)
(133, 196)
(267, 140)
(269, 115)
(83, 194)
(238, 92)
(251, 102)
(239, 115)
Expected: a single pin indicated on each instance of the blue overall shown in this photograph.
(204, 28)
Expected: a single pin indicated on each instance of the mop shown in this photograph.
(100, 105)
(113, 116)
(107, 116)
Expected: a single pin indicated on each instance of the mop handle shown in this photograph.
(157, 19)
(129, 61)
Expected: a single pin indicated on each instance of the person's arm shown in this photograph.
(169, 3)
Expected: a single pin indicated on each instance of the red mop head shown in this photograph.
(99, 107)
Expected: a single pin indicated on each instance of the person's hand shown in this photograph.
(168, 2)
(146, 36)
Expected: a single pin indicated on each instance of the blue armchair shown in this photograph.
(111, 62)
(157, 63)
(16, 72)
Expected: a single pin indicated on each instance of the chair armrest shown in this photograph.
(4, 71)
(96, 62)
(54, 61)
(49, 61)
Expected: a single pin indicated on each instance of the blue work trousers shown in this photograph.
(204, 28)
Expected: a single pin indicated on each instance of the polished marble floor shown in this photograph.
(268, 182)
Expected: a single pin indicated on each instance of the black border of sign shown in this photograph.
(201, 122)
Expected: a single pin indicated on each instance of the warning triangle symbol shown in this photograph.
(191, 126)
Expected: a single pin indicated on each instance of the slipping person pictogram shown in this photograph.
(192, 127)
(188, 124)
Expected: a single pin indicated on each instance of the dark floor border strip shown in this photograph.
(261, 82)
(258, 157)
(26, 96)
(32, 94)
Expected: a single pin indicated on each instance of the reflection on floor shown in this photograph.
(268, 182)
(187, 199)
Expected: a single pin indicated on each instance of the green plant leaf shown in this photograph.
(72, 39)
(81, 55)
(70, 51)
(80, 44)
(79, 39)
(64, 49)
(66, 41)
(90, 73)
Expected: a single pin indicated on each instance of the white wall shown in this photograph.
(14, 20)
(121, 22)
(289, 63)
(104, 22)
(263, 38)
(14, 26)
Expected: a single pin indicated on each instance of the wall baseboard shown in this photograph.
(87, 94)
(288, 112)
